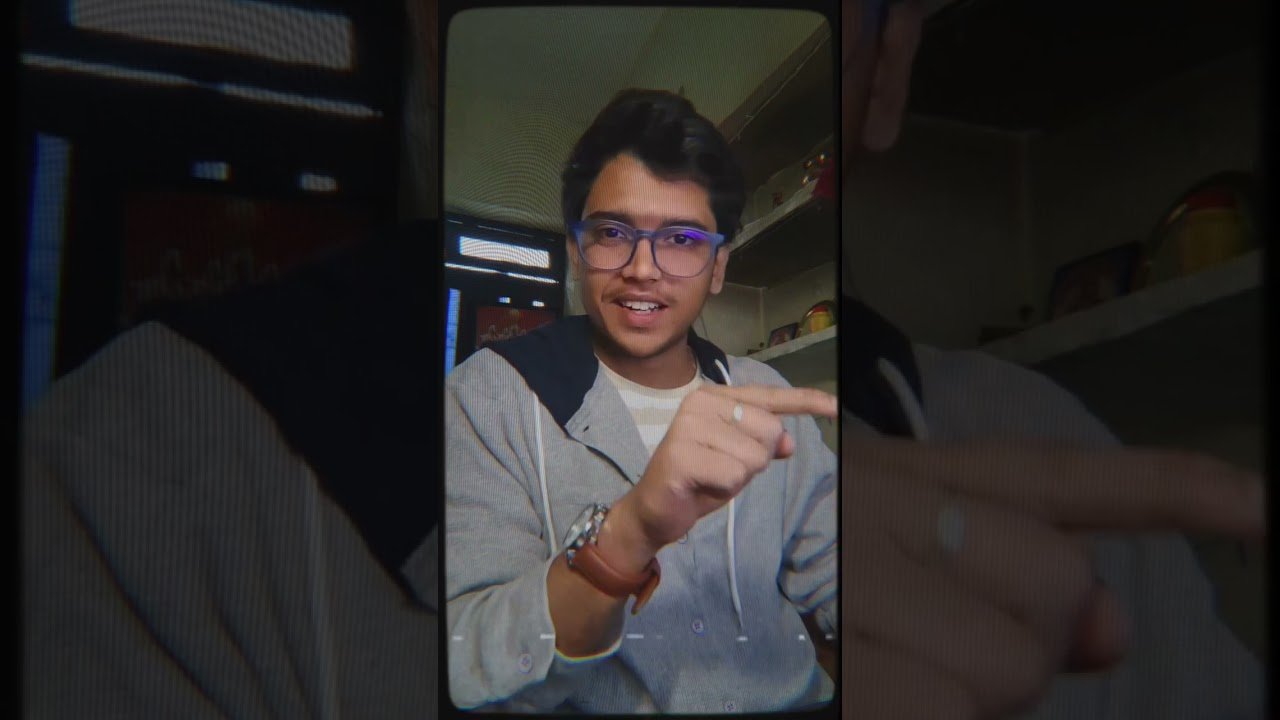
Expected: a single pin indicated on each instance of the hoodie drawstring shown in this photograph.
(551, 531)
(728, 535)
(542, 476)
(906, 398)
(320, 609)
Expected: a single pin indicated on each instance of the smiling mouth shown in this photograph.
(641, 307)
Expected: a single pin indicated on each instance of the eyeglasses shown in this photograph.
(677, 251)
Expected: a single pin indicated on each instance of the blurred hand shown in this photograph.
(707, 456)
(967, 580)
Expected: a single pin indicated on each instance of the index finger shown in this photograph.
(781, 400)
(1119, 489)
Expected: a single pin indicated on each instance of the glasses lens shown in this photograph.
(683, 252)
(605, 245)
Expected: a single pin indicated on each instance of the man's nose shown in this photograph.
(642, 266)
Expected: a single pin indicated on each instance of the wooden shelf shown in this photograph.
(806, 360)
(1177, 378)
(796, 236)
(1130, 313)
(755, 230)
(800, 344)
(1164, 363)
(790, 114)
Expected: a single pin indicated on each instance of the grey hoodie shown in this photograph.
(535, 433)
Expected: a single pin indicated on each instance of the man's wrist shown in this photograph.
(622, 542)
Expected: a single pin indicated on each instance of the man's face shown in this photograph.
(628, 192)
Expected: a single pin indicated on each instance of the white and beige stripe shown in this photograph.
(652, 409)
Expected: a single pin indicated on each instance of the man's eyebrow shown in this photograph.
(668, 222)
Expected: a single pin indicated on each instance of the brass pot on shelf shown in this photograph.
(819, 317)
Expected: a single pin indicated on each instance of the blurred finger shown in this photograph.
(892, 81)
(743, 445)
(736, 418)
(1102, 634)
(923, 613)
(717, 474)
(786, 446)
(1021, 565)
(1119, 489)
(781, 400)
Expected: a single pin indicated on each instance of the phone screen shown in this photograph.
(640, 209)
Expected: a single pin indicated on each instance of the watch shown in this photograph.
(584, 558)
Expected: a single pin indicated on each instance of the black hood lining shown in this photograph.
(558, 362)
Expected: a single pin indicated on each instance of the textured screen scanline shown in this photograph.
(504, 252)
(245, 92)
(268, 30)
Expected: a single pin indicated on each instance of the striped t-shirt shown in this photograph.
(652, 409)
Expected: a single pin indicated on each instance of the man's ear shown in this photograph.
(892, 83)
(717, 270)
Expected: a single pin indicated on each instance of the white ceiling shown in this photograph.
(546, 53)
(521, 84)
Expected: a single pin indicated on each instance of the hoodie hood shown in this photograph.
(558, 362)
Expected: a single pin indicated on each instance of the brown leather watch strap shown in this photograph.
(588, 563)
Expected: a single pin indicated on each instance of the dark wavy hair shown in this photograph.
(664, 132)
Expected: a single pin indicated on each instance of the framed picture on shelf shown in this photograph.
(783, 334)
(1094, 279)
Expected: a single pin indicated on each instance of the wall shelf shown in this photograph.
(756, 229)
(798, 235)
(1165, 363)
(1131, 313)
(790, 114)
(1177, 379)
(777, 128)
(804, 360)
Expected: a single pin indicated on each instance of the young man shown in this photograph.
(618, 455)
(996, 539)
